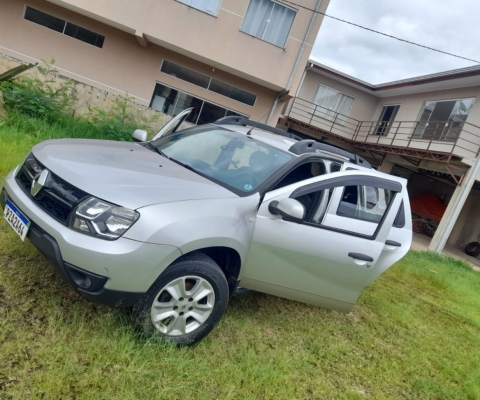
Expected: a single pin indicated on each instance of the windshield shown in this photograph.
(229, 158)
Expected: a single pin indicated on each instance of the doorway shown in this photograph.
(442, 120)
(387, 116)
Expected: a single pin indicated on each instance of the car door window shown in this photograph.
(357, 209)
(365, 203)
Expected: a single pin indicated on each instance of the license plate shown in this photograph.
(19, 223)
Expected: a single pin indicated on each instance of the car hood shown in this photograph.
(124, 173)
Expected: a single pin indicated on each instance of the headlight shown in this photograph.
(98, 218)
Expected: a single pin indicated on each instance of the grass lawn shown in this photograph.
(415, 334)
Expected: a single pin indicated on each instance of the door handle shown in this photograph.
(362, 257)
(393, 243)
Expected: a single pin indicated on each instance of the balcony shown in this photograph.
(435, 140)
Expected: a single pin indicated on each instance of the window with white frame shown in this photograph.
(208, 6)
(333, 105)
(269, 21)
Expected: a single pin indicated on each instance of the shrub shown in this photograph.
(42, 98)
(121, 120)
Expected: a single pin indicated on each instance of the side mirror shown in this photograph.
(290, 209)
(139, 135)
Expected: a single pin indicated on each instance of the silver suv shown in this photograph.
(177, 225)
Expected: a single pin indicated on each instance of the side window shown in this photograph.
(364, 203)
(334, 167)
(300, 173)
(352, 209)
(400, 218)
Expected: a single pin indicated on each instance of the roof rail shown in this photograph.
(242, 121)
(312, 146)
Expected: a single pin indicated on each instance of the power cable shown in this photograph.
(380, 33)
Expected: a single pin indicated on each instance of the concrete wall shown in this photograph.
(467, 227)
(122, 65)
(215, 40)
(411, 104)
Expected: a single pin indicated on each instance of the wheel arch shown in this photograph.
(229, 261)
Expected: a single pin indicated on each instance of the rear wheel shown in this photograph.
(186, 301)
(473, 249)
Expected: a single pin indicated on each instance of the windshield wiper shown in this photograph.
(189, 167)
(158, 151)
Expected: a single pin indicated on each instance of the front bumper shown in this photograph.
(74, 276)
(119, 272)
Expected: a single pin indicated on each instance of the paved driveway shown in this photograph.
(420, 242)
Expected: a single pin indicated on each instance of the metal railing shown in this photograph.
(457, 138)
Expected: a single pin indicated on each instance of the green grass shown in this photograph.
(415, 333)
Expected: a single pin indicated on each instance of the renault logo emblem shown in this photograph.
(39, 182)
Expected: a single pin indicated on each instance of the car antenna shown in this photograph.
(255, 124)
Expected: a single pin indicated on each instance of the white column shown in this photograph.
(453, 209)
(385, 167)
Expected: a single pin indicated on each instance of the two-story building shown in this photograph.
(222, 57)
(426, 129)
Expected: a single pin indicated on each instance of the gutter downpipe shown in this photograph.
(450, 217)
(297, 62)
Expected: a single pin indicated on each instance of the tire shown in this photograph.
(185, 302)
(418, 226)
(473, 249)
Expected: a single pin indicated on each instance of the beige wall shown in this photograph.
(363, 106)
(88, 98)
(122, 65)
(411, 104)
(215, 40)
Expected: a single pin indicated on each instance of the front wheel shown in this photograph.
(186, 301)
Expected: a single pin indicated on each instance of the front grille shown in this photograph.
(57, 197)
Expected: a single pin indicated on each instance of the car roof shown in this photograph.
(285, 143)
(280, 142)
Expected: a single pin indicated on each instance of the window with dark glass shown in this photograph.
(185, 74)
(62, 26)
(172, 102)
(44, 19)
(233, 92)
(84, 35)
(206, 82)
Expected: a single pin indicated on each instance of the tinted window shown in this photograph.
(334, 167)
(400, 218)
(67, 28)
(84, 35)
(185, 74)
(172, 102)
(233, 92)
(44, 19)
(230, 158)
